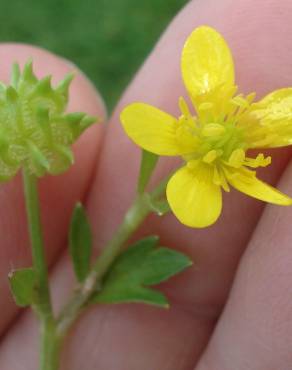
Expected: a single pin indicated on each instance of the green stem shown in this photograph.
(37, 247)
(132, 220)
(50, 343)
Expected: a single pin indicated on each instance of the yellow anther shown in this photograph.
(213, 129)
(263, 161)
(259, 161)
(210, 156)
(240, 101)
(237, 158)
(205, 106)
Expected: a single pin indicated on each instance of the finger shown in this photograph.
(217, 249)
(56, 196)
(201, 292)
(177, 337)
(255, 330)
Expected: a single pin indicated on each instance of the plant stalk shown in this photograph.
(54, 330)
(50, 343)
(132, 220)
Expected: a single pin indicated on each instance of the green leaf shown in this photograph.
(140, 266)
(80, 242)
(148, 163)
(23, 286)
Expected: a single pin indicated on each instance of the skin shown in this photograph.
(232, 309)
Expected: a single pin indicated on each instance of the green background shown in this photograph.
(107, 39)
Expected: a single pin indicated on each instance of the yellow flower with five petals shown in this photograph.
(213, 142)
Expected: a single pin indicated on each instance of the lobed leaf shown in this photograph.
(142, 265)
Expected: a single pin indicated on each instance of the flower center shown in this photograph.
(220, 139)
(214, 135)
(212, 141)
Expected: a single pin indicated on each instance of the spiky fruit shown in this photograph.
(35, 131)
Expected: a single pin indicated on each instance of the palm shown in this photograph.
(254, 330)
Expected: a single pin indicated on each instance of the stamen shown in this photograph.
(216, 177)
(213, 129)
(205, 106)
(205, 112)
(236, 158)
(239, 107)
(220, 179)
(259, 161)
(224, 182)
(240, 101)
(184, 107)
(210, 156)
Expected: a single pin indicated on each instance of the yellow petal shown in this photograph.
(269, 123)
(246, 181)
(193, 197)
(207, 65)
(151, 129)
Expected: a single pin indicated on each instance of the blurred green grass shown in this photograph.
(107, 39)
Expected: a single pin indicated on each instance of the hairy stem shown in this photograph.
(49, 342)
(37, 247)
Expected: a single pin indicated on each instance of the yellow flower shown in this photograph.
(213, 143)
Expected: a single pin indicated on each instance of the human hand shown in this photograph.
(232, 309)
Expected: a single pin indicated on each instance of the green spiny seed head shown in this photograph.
(35, 133)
